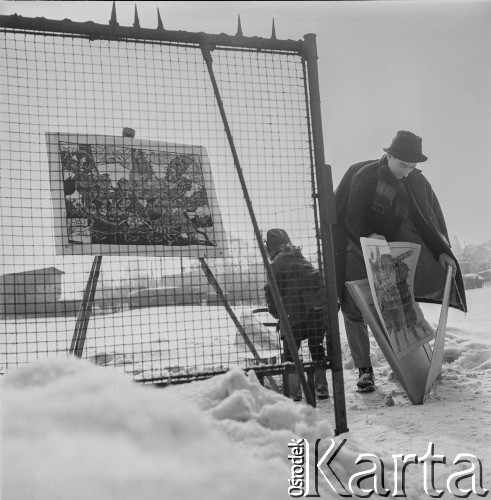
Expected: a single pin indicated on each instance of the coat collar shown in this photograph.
(287, 250)
(414, 173)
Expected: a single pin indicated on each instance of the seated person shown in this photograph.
(299, 284)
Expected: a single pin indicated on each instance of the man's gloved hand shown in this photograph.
(377, 236)
(445, 260)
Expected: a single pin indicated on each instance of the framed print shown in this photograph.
(125, 196)
(390, 269)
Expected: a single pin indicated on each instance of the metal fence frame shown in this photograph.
(322, 183)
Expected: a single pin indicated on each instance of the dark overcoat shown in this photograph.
(299, 284)
(428, 220)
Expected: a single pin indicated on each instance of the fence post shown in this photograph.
(327, 217)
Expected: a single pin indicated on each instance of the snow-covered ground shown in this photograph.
(73, 430)
(457, 415)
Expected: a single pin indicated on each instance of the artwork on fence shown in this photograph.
(390, 269)
(119, 195)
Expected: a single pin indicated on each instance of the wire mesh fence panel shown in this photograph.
(161, 202)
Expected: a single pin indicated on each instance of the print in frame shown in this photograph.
(125, 196)
(390, 269)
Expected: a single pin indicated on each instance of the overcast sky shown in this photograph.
(384, 66)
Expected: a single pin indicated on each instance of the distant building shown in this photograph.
(34, 291)
(472, 280)
(165, 296)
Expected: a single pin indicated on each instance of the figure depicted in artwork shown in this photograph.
(389, 299)
(300, 288)
(402, 272)
(390, 199)
(415, 323)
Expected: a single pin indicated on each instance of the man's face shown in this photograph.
(400, 168)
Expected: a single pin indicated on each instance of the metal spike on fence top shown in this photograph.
(273, 32)
(113, 21)
(160, 26)
(239, 28)
(136, 23)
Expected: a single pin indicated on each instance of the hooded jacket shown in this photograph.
(298, 281)
(356, 218)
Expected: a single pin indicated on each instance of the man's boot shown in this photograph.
(366, 380)
(320, 379)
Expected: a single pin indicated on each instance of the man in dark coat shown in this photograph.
(390, 199)
(299, 284)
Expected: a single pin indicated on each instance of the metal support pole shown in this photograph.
(327, 218)
(218, 290)
(80, 333)
(269, 271)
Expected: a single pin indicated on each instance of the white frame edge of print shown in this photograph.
(138, 233)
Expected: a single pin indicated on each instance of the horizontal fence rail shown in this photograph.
(113, 31)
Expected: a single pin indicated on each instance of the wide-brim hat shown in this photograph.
(407, 146)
